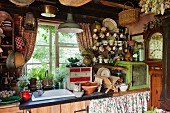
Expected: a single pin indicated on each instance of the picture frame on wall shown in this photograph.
(137, 37)
(139, 40)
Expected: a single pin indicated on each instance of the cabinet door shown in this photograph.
(48, 109)
(75, 107)
(11, 110)
(156, 87)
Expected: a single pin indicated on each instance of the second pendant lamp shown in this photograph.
(70, 26)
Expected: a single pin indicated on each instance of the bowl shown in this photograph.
(89, 87)
(123, 87)
(78, 93)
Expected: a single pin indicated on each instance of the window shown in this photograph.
(44, 52)
(52, 49)
(68, 47)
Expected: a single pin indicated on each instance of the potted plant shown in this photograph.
(47, 82)
(61, 76)
(23, 82)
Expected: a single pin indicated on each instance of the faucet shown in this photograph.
(46, 77)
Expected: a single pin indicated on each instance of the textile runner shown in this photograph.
(130, 103)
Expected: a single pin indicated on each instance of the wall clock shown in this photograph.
(153, 44)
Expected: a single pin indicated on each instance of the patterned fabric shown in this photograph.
(130, 103)
(30, 39)
(85, 39)
(19, 43)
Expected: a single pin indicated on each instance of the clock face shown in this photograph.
(156, 46)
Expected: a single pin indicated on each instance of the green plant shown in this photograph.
(39, 72)
(152, 110)
(23, 81)
(36, 73)
(61, 74)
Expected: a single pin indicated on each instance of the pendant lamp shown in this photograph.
(48, 10)
(70, 26)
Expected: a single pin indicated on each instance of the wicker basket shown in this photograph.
(130, 16)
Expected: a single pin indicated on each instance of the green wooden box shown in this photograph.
(137, 74)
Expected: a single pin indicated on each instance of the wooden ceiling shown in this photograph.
(95, 10)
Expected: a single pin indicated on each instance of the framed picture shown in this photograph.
(137, 37)
(139, 41)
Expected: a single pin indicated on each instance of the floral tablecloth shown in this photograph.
(130, 103)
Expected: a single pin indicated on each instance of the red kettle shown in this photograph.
(25, 95)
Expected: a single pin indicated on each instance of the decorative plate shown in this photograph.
(105, 73)
(110, 24)
(9, 100)
(22, 2)
(99, 71)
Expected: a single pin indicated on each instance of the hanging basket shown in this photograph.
(130, 16)
(74, 3)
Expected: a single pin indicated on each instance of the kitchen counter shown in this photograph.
(30, 104)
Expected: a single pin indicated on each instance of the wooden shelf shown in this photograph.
(7, 28)
(111, 67)
(6, 45)
(130, 92)
(3, 56)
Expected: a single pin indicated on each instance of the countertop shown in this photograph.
(30, 104)
(95, 95)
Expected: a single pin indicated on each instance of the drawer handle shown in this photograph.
(87, 110)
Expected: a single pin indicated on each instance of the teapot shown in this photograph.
(25, 95)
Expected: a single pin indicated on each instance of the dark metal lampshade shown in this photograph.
(70, 26)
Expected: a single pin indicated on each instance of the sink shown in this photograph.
(51, 94)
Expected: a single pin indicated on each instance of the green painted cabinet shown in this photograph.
(136, 74)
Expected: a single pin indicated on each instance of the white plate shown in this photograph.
(105, 73)
(99, 71)
(110, 24)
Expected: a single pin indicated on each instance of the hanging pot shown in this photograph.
(14, 60)
(10, 61)
(19, 59)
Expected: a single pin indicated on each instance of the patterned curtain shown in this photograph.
(85, 39)
(130, 103)
(30, 39)
(27, 38)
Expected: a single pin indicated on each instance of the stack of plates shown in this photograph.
(6, 23)
(103, 72)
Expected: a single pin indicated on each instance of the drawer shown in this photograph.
(79, 79)
(75, 70)
(85, 69)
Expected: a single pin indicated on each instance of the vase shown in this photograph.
(33, 84)
(60, 85)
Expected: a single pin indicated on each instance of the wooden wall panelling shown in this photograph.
(165, 95)
(156, 86)
(74, 106)
(48, 109)
(11, 110)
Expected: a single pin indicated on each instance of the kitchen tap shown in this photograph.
(46, 77)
